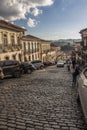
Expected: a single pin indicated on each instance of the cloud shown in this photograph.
(36, 12)
(32, 22)
(12, 10)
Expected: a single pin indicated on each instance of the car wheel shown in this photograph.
(29, 71)
(17, 74)
(41, 67)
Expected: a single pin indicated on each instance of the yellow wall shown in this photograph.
(34, 55)
(8, 52)
(45, 50)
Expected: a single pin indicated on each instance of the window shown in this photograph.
(18, 40)
(32, 57)
(24, 44)
(1, 63)
(29, 47)
(25, 58)
(29, 58)
(8, 63)
(38, 55)
(37, 46)
(20, 57)
(36, 61)
(35, 56)
(7, 58)
(12, 40)
(14, 57)
(32, 47)
(5, 40)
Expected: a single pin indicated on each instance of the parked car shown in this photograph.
(27, 67)
(1, 74)
(10, 68)
(82, 90)
(47, 63)
(60, 63)
(38, 64)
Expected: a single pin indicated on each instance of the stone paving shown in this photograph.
(44, 100)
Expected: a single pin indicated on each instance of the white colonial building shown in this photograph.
(10, 47)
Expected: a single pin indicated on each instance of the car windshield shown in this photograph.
(60, 61)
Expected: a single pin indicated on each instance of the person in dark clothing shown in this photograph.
(73, 63)
(75, 73)
(68, 65)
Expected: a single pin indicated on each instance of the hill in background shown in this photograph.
(62, 42)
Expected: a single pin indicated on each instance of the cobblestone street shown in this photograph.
(43, 100)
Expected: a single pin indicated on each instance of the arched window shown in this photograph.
(14, 57)
(7, 58)
(25, 58)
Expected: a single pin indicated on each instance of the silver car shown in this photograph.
(82, 91)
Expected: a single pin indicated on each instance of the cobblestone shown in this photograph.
(44, 100)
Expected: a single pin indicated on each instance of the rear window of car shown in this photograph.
(8, 63)
(25, 63)
(37, 61)
(15, 62)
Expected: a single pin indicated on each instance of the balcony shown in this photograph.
(14, 47)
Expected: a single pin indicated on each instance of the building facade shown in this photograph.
(45, 50)
(34, 48)
(10, 47)
(84, 45)
(30, 48)
(15, 45)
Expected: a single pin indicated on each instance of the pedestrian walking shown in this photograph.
(73, 63)
(68, 65)
(75, 72)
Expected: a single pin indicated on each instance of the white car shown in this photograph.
(82, 91)
(60, 63)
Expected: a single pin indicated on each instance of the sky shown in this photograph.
(47, 19)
